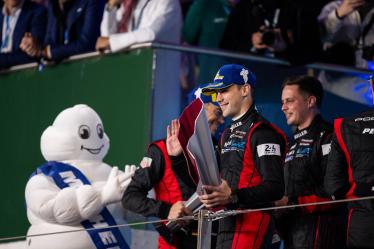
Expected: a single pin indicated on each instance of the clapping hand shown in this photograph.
(116, 184)
(348, 6)
(30, 46)
(102, 44)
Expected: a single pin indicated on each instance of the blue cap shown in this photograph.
(231, 74)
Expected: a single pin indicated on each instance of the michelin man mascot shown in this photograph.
(75, 190)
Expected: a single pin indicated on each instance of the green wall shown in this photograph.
(118, 87)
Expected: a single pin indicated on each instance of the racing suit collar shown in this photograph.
(314, 125)
(249, 115)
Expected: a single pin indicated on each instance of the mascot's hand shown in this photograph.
(115, 186)
(126, 178)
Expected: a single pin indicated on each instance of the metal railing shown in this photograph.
(208, 51)
(202, 217)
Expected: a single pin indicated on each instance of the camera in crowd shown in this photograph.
(268, 33)
(268, 36)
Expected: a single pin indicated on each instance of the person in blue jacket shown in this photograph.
(73, 27)
(17, 18)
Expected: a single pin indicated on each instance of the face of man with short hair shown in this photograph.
(295, 105)
(231, 100)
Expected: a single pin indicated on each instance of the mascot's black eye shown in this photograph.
(100, 131)
(84, 131)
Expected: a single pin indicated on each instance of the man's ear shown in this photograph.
(312, 101)
(246, 90)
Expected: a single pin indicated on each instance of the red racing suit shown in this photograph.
(316, 226)
(252, 155)
(170, 178)
(350, 174)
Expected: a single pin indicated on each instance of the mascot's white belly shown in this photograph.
(76, 138)
(59, 236)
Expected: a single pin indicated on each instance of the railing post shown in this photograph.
(204, 230)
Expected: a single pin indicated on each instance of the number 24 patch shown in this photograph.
(268, 150)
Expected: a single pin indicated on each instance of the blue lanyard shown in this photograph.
(66, 37)
(227, 9)
(6, 37)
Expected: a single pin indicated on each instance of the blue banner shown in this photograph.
(65, 175)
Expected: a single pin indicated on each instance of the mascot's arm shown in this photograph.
(68, 206)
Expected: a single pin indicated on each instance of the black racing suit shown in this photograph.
(350, 174)
(317, 226)
(251, 158)
(172, 182)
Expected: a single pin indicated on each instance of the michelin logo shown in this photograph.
(244, 73)
(70, 179)
(268, 150)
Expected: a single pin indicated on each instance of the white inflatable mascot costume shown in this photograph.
(75, 190)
